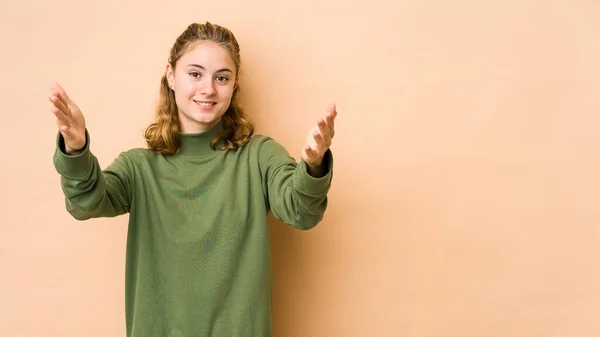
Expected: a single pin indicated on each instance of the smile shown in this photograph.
(205, 103)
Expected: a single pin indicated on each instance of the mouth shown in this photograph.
(205, 103)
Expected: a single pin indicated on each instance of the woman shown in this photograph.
(198, 259)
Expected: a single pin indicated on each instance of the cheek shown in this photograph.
(185, 89)
(226, 92)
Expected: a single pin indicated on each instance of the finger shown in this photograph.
(330, 117)
(323, 133)
(331, 108)
(57, 88)
(329, 121)
(58, 103)
(62, 95)
(321, 140)
(67, 131)
(310, 153)
(61, 117)
(59, 108)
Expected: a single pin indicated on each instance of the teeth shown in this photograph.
(204, 103)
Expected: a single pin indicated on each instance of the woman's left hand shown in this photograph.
(318, 142)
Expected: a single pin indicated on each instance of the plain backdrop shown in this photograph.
(465, 199)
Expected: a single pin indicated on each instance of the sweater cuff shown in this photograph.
(73, 166)
(313, 185)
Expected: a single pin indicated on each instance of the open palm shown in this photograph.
(69, 119)
(319, 139)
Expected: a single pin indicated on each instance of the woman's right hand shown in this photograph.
(69, 119)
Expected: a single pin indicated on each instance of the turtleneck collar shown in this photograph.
(198, 144)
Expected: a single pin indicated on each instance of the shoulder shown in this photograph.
(136, 156)
(137, 153)
(257, 140)
(261, 143)
(268, 151)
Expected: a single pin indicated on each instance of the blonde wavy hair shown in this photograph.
(162, 135)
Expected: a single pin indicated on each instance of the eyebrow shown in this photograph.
(201, 67)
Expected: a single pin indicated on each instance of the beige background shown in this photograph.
(465, 198)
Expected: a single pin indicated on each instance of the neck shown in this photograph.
(196, 144)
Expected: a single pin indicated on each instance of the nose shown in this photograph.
(207, 87)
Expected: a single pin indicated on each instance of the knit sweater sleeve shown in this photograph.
(293, 196)
(89, 191)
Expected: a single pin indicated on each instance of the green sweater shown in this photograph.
(198, 258)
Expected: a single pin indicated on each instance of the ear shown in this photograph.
(170, 75)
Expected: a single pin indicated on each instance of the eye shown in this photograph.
(222, 78)
(195, 74)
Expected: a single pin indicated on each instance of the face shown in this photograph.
(203, 81)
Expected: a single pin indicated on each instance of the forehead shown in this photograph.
(208, 55)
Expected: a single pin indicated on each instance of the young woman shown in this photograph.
(198, 259)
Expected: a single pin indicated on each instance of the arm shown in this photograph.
(294, 196)
(89, 191)
(297, 192)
